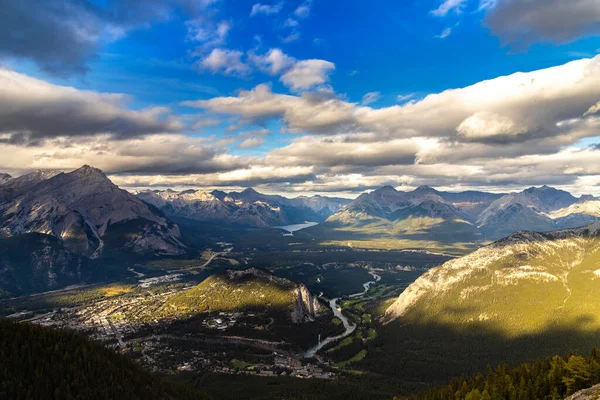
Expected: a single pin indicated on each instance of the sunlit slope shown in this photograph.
(251, 289)
(527, 283)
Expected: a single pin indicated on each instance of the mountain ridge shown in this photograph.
(79, 207)
(468, 217)
(247, 207)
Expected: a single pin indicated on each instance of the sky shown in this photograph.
(305, 96)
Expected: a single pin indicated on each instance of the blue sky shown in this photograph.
(370, 65)
(387, 46)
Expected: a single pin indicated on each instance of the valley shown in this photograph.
(402, 288)
(134, 315)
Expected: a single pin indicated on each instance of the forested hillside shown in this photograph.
(553, 378)
(42, 363)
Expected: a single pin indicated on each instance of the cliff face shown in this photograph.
(592, 393)
(307, 306)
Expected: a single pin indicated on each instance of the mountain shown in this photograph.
(4, 178)
(86, 212)
(39, 362)
(528, 296)
(36, 263)
(523, 284)
(247, 207)
(428, 218)
(539, 209)
(251, 289)
(421, 218)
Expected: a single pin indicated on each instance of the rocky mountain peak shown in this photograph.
(425, 189)
(88, 171)
(386, 189)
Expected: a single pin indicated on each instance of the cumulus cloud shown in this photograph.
(274, 62)
(341, 151)
(314, 112)
(226, 62)
(516, 108)
(535, 103)
(253, 139)
(62, 36)
(521, 23)
(152, 154)
(32, 110)
(307, 74)
(486, 124)
(509, 132)
(252, 142)
(251, 176)
(265, 9)
(208, 33)
(296, 74)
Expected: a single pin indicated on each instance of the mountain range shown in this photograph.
(53, 224)
(247, 207)
(472, 217)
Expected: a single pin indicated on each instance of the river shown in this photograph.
(337, 311)
(295, 228)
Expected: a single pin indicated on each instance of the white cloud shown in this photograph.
(292, 37)
(303, 11)
(274, 62)
(535, 102)
(401, 98)
(265, 9)
(487, 124)
(251, 143)
(448, 6)
(501, 134)
(593, 110)
(314, 112)
(226, 62)
(152, 154)
(445, 33)
(521, 23)
(291, 23)
(307, 74)
(32, 110)
(370, 97)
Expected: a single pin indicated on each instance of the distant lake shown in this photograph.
(296, 227)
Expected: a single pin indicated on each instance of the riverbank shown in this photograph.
(337, 312)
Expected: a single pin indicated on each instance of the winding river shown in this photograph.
(337, 311)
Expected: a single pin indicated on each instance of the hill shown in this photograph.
(37, 362)
(528, 296)
(552, 378)
(251, 289)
